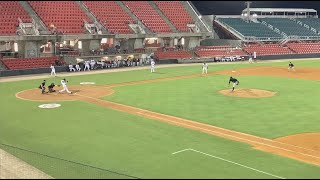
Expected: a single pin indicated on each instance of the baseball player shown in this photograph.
(152, 66)
(52, 85)
(43, 87)
(64, 85)
(53, 70)
(291, 66)
(92, 63)
(250, 59)
(78, 67)
(235, 82)
(255, 56)
(205, 68)
(71, 68)
(86, 66)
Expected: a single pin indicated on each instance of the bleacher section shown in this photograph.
(311, 22)
(10, 12)
(219, 51)
(290, 27)
(267, 49)
(149, 16)
(111, 15)
(163, 55)
(176, 13)
(249, 29)
(66, 16)
(29, 63)
(304, 48)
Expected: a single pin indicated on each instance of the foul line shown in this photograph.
(189, 149)
(198, 128)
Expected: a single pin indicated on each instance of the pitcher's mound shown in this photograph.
(248, 93)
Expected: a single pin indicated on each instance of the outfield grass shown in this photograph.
(141, 147)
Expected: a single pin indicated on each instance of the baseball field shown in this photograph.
(175, 123)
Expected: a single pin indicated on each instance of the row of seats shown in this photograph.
(176, 13)
(111, 15)
(303, 48)
(220, 52)
(148, 16)
(62, 21)
(160, 55)
(267, 49)
(27, 63)
(289, 27)
(249, 28)
(10, 12)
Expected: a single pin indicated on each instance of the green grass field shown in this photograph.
(140, 147)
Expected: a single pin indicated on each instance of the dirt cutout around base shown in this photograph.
(92, 94)
(247, 93)
(308, 141)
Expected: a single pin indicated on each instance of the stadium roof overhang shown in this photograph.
(290, 10)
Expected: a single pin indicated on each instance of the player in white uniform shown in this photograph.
(64, 85)
(205, 68)
(92, 63)
(255, 56)
(86, 66)
(152, 66)
(78, 67)
(71, 68)
(53, 70)
(250, 59)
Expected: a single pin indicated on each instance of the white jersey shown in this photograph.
(205, 66)
(70, 66)
(63, 83)
(52, 68)
(254, 55)
(152, 63)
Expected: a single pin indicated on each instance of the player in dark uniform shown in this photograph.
(52, 85)
(43, 87)
(291, 66)
(235, 82)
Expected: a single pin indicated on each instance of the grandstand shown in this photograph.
(36, 31)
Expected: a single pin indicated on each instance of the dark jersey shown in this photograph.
(51, 86)
(233, 80)
(42, 85)
(291, 65)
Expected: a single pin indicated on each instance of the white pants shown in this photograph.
(291, 68)
(250, 60)
(152, 69)
(86, 67)
(204, 70)
(53, 72)
(72, 69)
(78, 69)
(65, 88)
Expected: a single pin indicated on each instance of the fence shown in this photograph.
(29, 163)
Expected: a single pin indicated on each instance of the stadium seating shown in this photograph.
(111, 15)
(163, 55)
(249, 29)
(304, 48)
(311, 22)
(149, 16)
(10, 12)
(290, 27)
(176, 13)
(267, 49)
(29, 63)
(66, 16)
(219, 52)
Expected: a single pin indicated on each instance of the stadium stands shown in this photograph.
(219, 51)
(66, 16)
(29, 63)
(10, 12)
(312, 22)
(149, 16)
(176, 13)
(290, 27)
(267, 49)
(304, 48)
(249, 29)
(111, 15)
(161, 55)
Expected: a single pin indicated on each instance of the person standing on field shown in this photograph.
(205, 68)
